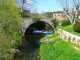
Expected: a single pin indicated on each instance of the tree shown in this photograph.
(29, 4)
(10, 23)
(49, 14)
(70, 8)
(9, 17)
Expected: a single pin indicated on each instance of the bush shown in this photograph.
(76, 27)
(36, 19)
(65, 22)
(17, 37)
(10, 22)
(25, 15)
(55, 23)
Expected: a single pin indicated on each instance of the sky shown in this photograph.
(46, 5)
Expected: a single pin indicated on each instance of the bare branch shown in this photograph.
(71, 10)
(27, 4)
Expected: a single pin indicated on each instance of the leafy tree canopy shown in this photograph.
(10, 20)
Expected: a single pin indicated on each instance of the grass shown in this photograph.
(58, 50)
(69, 28)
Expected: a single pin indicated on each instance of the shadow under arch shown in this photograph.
(39, 25)
(51, 26)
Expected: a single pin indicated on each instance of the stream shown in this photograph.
(30, 46)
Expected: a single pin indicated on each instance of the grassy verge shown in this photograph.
(69, 28)
(58, 49)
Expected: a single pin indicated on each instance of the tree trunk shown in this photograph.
(71, 20)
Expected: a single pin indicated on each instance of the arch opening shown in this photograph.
(36, 31)
(39, 26)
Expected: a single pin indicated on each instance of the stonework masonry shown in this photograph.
(69, 37)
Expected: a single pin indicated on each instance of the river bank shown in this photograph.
(58, 49)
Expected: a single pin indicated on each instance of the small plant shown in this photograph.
(65, 22)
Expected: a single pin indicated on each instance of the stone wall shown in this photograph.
(69, 37)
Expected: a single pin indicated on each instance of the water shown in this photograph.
(45, 33)
(29, 48)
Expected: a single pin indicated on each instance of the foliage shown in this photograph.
(69, 28)
(55, 23)
(60, 50)
(10, 22)
(5, 47)
(76, 27)
(17, 38)
(35, 20)
(65, 22)
(49, 14)
(1, 1)
(35, 15)
(24, 15)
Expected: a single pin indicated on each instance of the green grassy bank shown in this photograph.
(54, 48)
(69, 28)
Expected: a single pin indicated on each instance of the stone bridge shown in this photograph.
(28, 21)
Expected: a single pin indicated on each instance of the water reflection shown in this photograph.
(28, 51)
(45, 33)
(29, 48)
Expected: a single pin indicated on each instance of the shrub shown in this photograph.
(17, 37)
(24, 15)
(36, 19)
(76, 27)
(65, 22)
(10, 22)
(55, 23)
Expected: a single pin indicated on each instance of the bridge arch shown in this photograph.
(39, 25)
(28, 22)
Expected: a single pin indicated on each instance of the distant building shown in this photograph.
(59, 15)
